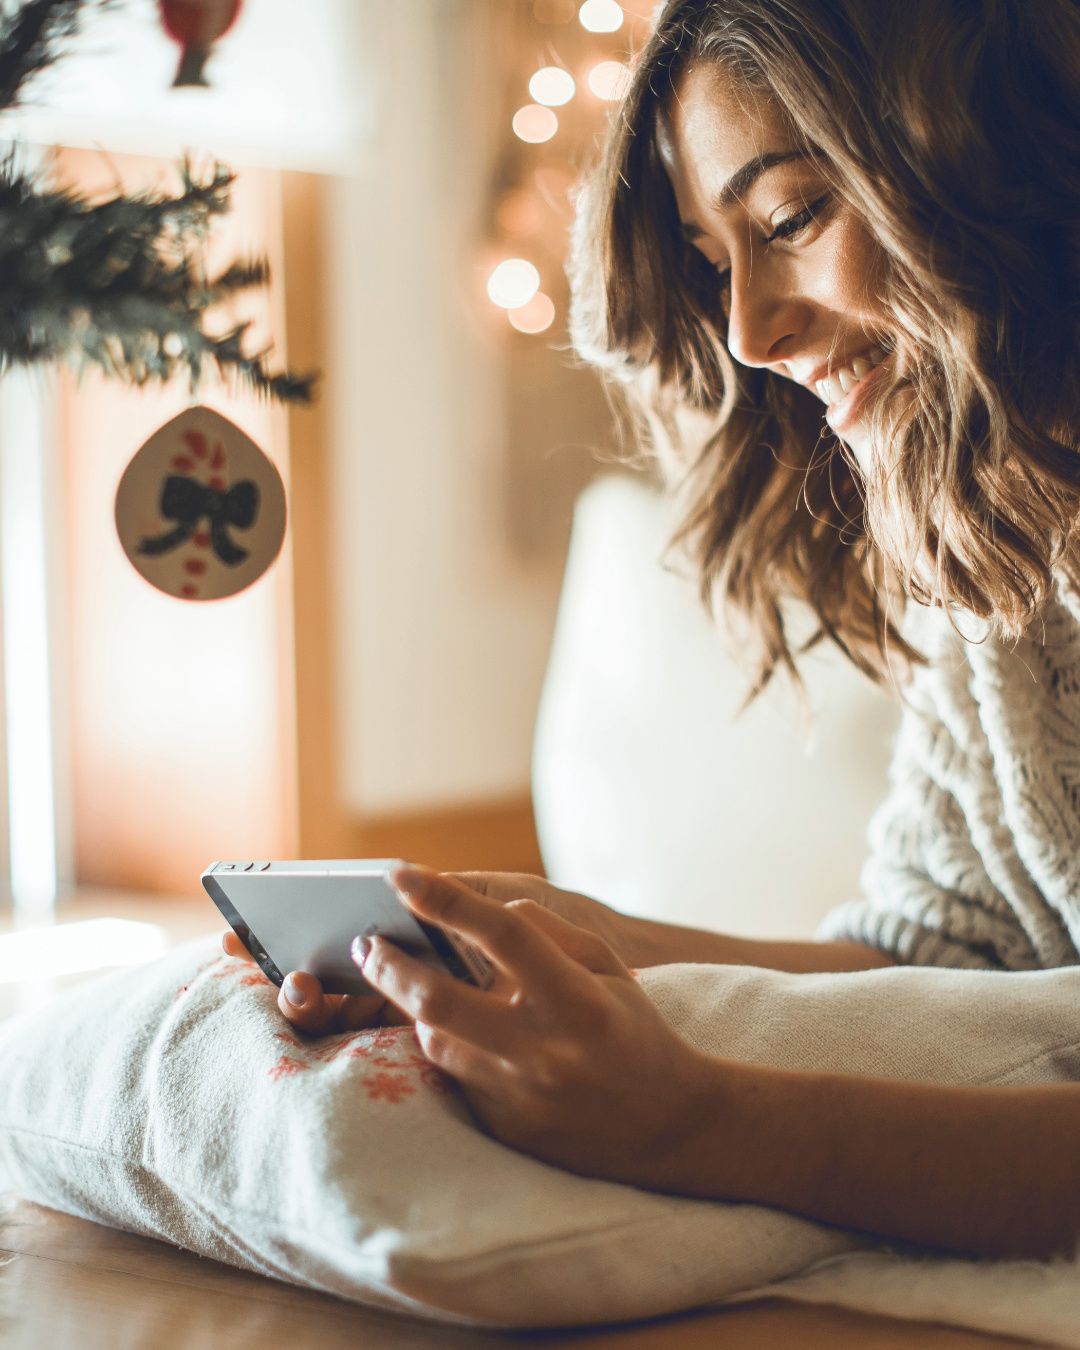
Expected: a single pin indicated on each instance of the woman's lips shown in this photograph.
(845, 413)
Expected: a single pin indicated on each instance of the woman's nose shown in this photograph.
(764, 322)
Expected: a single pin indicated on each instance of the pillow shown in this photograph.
(172, 1100)
(652, 790)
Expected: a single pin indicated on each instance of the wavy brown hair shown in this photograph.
(952, 127)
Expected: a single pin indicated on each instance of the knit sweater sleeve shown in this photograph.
(927, 897)
(945, 883)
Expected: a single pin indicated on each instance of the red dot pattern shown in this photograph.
(196, 458)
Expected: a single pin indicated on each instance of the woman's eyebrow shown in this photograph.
(743, 179)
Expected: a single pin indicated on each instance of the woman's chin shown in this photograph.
(856, 436)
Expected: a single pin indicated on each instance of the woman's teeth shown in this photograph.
(844, 379)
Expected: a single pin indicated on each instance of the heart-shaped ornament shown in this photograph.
(200, 510)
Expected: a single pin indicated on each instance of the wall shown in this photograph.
(182, 714)
(443, 628)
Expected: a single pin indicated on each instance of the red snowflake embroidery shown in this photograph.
(385, 1086)
(286, 1067)
(329, 1051)
(248, 976)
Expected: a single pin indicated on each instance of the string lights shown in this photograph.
(513, 283)
(552, 86)
(535, 316)
(534, 124)
(534, 210)
(601, 16)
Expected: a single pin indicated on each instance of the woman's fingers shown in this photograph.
(504, 886)
(471, 1066)
(356, 1012)
(302, 1001)
(232, 946)
(435, 998)
(586, 948)
(520, 947)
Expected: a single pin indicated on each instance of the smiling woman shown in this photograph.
(832, 253)
(897, 181)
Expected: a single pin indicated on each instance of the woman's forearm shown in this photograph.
(985, 1171)
(643, 942)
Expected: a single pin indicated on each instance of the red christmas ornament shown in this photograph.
(196, 25)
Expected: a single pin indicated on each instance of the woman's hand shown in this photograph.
(565, 1057)
(301, 999)
(302, 1002)
(620, 931)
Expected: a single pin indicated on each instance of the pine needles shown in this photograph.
(120, 284)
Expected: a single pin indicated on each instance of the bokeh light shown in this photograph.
(601, 16)
(535, 316)
(552, 86)
(609, 80)
(534, 124)
(513, 283)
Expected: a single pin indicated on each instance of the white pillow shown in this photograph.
(173, 1100)
(652, 791)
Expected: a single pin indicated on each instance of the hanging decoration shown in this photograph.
(196, 25)
(200, 510)
(121, 285)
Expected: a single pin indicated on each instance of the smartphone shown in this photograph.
(305, 915)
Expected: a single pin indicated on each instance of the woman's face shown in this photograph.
(796, 261)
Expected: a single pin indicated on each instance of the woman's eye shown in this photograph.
(788, 229)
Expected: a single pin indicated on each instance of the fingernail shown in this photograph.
(293, 993)
(360, 948)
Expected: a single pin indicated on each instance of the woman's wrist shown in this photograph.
(647, 942)
(907, 1160)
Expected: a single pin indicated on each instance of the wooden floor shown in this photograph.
(73, 1285)
(67, 1284)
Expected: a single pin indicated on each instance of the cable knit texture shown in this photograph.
(975, 853)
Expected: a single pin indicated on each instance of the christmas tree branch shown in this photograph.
(31, 38)
(120, 285)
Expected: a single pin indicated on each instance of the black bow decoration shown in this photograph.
(186, 501)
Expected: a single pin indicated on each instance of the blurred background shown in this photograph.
(408, 166)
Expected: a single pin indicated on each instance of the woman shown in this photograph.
(839, 239)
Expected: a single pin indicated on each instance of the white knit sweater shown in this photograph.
(975, 853)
